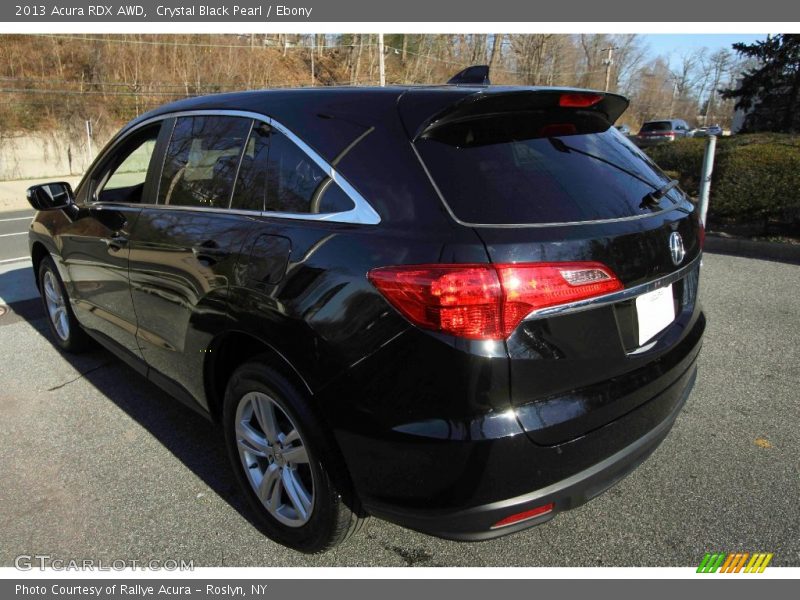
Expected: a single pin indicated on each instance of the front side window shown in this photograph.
(123, 178)
(202, 160)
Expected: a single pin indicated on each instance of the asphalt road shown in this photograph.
(97, 463)
(14, 234)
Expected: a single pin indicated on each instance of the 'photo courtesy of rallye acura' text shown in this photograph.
(461, 308)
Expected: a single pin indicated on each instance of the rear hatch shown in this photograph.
(657, 130)
(543, 177)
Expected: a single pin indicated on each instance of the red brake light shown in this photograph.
(579, 100)
(558, 129)
(487, 302)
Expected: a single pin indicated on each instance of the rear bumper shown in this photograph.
(415, 461)
(475, 524)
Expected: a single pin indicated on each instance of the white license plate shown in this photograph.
(654, 311)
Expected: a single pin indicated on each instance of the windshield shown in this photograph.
(557, 179)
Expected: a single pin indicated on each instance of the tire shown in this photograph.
(67, 332)
(285, 464)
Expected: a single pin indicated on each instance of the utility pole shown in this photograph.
(705, 176)
(89, 151)
(608, 62)
(381, 62)
(312, 60)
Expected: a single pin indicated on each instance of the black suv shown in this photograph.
(461, 309)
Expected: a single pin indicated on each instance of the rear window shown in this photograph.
(504, 174)
(657, 126)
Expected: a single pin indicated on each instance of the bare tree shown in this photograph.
(628, 55)
(531, 55)
(719, 64)
(497, 49)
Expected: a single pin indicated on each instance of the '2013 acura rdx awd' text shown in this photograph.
(459, 308)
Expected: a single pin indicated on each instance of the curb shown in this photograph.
(752, 248)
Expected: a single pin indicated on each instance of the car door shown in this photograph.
(283, 280)
(94, 245)
(183, 250)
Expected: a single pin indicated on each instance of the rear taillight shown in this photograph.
(487, 302)
(669, 134)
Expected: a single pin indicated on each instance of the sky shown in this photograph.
(675, 44)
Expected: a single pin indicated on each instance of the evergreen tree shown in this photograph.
(770, 91)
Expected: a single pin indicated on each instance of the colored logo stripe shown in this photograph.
(733, 563)
(758, 563)
(711, 562)
(727, 564)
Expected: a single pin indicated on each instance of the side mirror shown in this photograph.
(51, 196)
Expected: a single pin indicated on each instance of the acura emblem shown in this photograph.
(676, 249)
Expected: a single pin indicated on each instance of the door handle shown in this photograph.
(116, 241)
(209, 252)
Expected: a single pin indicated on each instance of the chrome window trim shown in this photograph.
(614, 297)
(204, 209)
(362, 212)
(238, 164)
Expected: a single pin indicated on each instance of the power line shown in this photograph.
(144, 94)
(500, 69)
(36, 80)
(176, 43)
(82, 93)
(78, 38)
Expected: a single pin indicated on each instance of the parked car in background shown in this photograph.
(706, 131)
(658, 132)
(385, 341)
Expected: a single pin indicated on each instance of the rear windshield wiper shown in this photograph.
(650, 199)
(653, 198)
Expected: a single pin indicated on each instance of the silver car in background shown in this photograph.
(658, 132)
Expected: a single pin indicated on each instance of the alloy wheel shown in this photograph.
(275, 459)
(56, 304)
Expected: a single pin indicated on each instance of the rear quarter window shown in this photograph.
(277, 176)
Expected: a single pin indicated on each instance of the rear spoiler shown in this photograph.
(494, 102)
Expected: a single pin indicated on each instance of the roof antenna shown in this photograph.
(474, 75)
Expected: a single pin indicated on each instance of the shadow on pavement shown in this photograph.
(194, 440)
